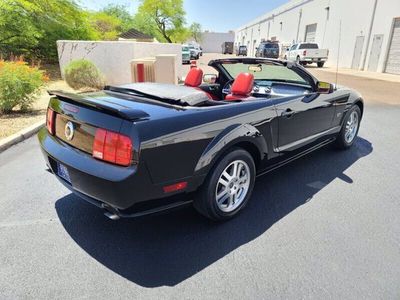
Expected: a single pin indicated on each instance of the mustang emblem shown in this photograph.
(69, 130)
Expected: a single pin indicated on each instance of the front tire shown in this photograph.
(228, 186)
(350, 127)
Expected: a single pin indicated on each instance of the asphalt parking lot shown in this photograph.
(326, 226)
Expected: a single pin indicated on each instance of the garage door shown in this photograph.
(393, 61)
(310, 33)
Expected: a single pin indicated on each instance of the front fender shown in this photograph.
(230, 136)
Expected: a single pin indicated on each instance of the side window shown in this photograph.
(293, 47)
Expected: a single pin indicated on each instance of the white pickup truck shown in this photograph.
(307, 53)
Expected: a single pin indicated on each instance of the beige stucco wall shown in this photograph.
(113, 57)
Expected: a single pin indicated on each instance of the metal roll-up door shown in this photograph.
(311, 30)
(393, 60)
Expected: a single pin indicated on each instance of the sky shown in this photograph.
(213, 15)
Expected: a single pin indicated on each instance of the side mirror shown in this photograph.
(210, 78)
(324, 87)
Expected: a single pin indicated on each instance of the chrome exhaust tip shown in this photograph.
(112, 216)
(111, 212)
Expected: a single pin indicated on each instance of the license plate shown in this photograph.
(62, 171)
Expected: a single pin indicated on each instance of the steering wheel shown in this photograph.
(226, 90)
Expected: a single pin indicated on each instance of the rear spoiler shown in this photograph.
(126, 113)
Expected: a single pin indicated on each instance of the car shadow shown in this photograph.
(164, 250)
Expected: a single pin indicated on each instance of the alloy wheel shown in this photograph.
(351, 127)
(232, 186)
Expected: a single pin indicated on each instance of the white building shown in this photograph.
(212, 41)
(368, 31)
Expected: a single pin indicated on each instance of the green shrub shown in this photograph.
(83, 74)
(19, 85)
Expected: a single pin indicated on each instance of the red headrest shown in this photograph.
(243, 84)
(194, 77)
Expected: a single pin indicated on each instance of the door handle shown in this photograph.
(288, 113)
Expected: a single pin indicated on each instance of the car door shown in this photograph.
(291, 52)
(306, 119)
(303, 120)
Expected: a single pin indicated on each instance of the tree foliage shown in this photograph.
(167, 17)
(196, 31)
(144, 23)
(121, 13)
(106, 27)
(31, 28)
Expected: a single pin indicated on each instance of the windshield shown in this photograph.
(265, 72)
(308, 46)
(185, 48)
(191, 47)
(269, 46)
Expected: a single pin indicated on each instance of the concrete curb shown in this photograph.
(20, 136)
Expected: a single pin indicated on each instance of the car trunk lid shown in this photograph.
(78, 116)
(107, 109)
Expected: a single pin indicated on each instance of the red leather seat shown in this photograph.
(194, 77)
(242, 87)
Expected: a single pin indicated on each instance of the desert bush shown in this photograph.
(19, 85)
(83, 74)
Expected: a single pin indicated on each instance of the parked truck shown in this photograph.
(307, 53)
(227, 48)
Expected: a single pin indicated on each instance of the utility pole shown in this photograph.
(298, 25)
(371, 25)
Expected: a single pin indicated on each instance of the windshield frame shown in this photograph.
(225, 76)
(305, 81)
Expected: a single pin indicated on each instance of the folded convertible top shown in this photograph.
(169, 93)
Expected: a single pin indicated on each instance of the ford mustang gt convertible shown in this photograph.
(142, 148)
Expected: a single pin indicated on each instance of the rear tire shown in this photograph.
(350, 127)
(227, 187)
(320, 64)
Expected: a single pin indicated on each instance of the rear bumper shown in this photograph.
(104, 184)
(311, 59)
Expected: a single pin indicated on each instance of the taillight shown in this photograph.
(50, 118)
(304, 52)
(112, 147)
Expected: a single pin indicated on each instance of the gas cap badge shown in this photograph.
(69, 130)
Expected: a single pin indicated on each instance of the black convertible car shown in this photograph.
(142, 148)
